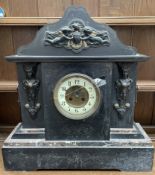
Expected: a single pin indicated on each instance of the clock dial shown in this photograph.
(76, 96)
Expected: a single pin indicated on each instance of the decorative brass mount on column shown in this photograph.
(31, 86)
(123, 86)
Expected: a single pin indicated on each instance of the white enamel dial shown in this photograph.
(76, 96)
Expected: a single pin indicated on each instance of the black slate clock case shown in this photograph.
(64, 128)
(46, 139)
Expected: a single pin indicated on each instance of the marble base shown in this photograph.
(127, 150)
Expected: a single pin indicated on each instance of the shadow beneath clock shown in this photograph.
(77, 170)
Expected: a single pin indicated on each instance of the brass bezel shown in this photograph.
(76, 116)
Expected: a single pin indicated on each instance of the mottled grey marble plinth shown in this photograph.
(127, 150)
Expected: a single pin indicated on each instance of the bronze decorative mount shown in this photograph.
(123, 86)
(77, 36)
(31, 86)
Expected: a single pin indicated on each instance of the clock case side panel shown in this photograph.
(126, 118)
(58, 127)
(29, 121)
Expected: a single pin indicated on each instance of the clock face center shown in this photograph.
(77, 96)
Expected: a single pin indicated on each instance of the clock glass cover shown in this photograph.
(76, 96)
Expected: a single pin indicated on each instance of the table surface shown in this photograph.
(66, 172)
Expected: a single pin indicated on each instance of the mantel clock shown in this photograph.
(77, 93)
